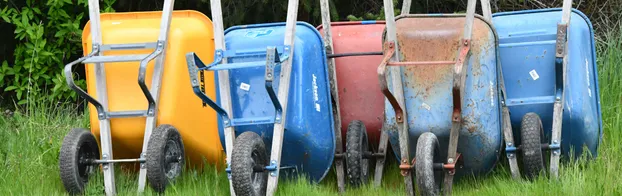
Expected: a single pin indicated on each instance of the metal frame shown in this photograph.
(396, 99)
(275, 56)
(152, 96)
(561, 60)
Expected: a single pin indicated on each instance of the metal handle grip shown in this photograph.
(70, 81)
(101, 113)
(194, 65)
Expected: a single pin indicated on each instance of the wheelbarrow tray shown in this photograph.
(527, 53)
(360, 97)
(178, 105)
(427, 88)
(308, 143)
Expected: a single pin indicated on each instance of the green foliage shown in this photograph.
(378, 16)
(48, 34)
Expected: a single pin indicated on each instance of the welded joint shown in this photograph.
(405, 167)
(142, 164)
(272, 168)
(555, 147)
(510, 149)
(105, 165)
(450, 167)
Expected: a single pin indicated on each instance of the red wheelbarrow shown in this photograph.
(354, 50)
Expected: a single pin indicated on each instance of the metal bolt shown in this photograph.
(142, 166)
(556, 152)
(510, 144)
(273, 174)
(511, 155)
(450, 160)
(269, 75)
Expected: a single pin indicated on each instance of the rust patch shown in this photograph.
(438, 39)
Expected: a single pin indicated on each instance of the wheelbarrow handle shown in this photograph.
(101, 112)
(70, 81)
(194, 65)
(382, 78)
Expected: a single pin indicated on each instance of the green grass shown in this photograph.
(30, 142)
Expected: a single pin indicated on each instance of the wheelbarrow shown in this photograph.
(552, 85)
(268, 131)
(356, 53)
(147, 128)
(354, 50)
(440, 77)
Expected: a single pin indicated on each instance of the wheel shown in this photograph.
(428, 153)
(248, 159)
(165, 157)
(356, 146)
(79, 148)
(532, 135)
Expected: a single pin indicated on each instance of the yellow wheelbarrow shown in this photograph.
(132, 120)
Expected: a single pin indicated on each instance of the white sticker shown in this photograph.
(534, 74)
(245, 86)
(426, 106)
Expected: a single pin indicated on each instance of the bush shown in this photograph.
(48, 34)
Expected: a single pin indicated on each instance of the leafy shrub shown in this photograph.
(49, 35)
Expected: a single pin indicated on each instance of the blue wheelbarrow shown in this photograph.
(552, 85)
(269, 136)
(440, 75)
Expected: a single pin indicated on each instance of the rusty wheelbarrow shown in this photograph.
(440, 74)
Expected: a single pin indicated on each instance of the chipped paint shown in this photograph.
(492, 94)
(438, 39)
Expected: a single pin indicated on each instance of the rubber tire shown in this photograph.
(78, 142)
(249, 151)
(356, 145)
(428, 153)
(531, 151)
(160, 173)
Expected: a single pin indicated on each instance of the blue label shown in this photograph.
(258, 33)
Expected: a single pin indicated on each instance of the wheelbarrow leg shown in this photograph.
(382, 149)
(102, 96)
(328, 41)
(560, 79)
(397, 100)
(223, 84)
(286, 67)
(510, 148)
(458, 92)
(156, 83)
